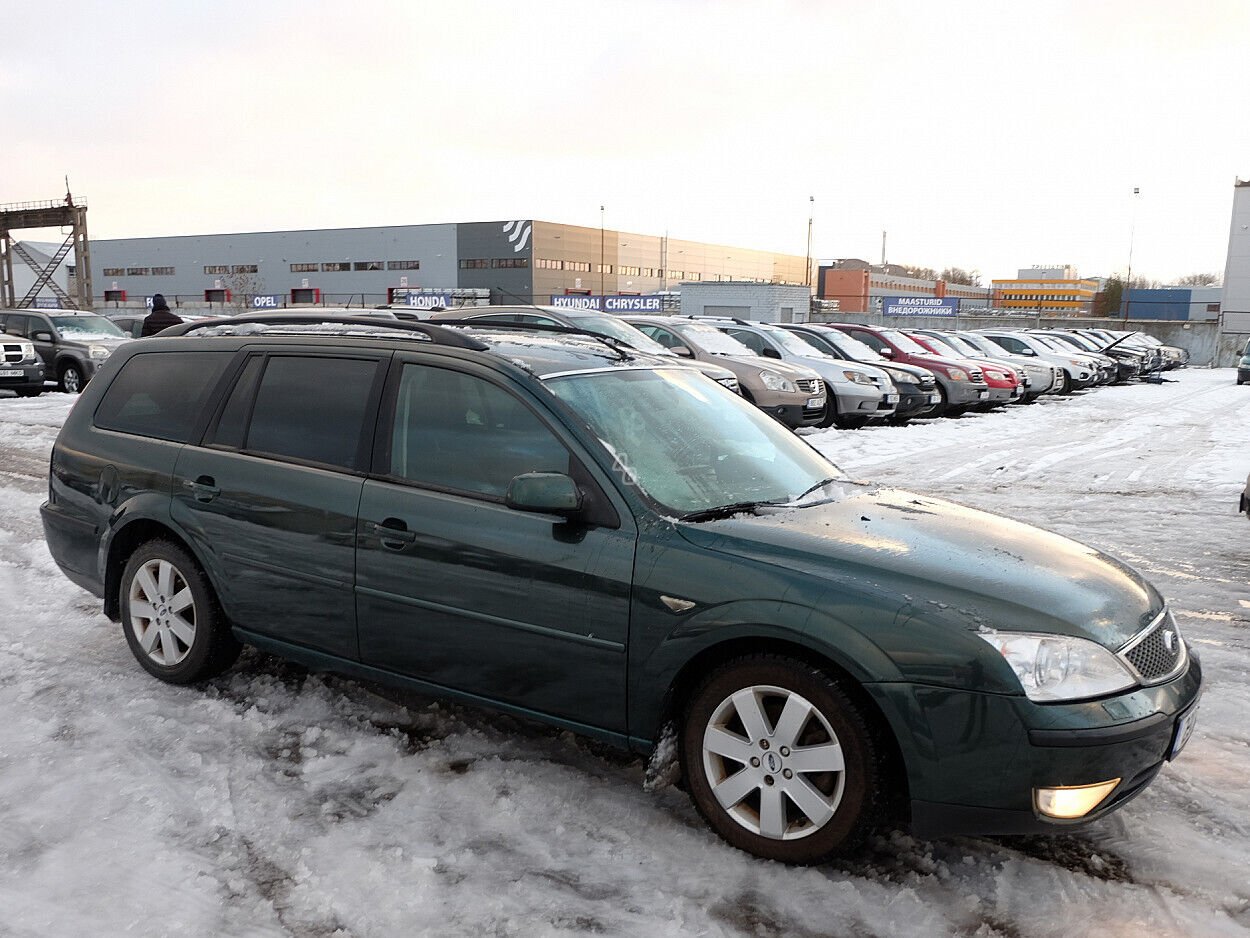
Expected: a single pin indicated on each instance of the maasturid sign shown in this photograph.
(919, 306)
(611, 304)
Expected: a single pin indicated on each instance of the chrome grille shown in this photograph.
(810, 385)
(1156, 653)
(12, 353)
(976, 376)
(731, 383)
(928, 383)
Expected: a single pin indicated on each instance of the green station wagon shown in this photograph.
(559, 527)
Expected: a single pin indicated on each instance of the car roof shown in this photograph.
(542, 354)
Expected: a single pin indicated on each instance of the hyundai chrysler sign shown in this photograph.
(611, 304)
(919, 306)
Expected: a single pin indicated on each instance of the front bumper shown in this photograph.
(797, 414)
(21, 377)
(965, 393)
(861, 400)
(912, 402)
(983, 755)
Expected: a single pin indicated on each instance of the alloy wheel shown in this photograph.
(162, 612)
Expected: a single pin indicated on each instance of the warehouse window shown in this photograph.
(114, 271)
(137, 271)
(243, 269)
(474, 263)
(216, 269)
(403, 265)
(305, 268)
(510, 262)
(335, 266)
(162, 271)
(368, 265)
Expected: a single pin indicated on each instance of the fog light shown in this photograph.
(1070, 802)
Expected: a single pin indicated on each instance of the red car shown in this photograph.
(960, 380)
(1004, 383)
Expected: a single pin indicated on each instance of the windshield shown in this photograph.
(852, 348)
(941, 346)
(622, 331)
(1079, 342)
(1053, 345)
(981, 344)
(712, 340)
(908, 345)
(93, 327)
(689, 445)
(792, 343)
(963, 346)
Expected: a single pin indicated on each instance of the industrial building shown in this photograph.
(438, 264)
(1047, 290)
(859, 287)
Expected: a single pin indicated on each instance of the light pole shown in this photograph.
(807, 269)
(1128, 280)
(601, 250)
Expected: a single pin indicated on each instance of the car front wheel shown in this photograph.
(780, 761)
(71, 381)
(173, 623)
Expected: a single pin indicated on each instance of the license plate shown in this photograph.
(11, 373)
(815, 402)
(935, 397)
(1184, 729)
(982, 395)
(891, 398)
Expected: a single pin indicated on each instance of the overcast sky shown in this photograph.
(988, 136)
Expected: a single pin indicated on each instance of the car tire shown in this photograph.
(831, 413)
(173, 623)
(780, 761)
(1065, 382)
(70, 379)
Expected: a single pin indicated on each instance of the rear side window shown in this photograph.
(312, 409)
(161, 394)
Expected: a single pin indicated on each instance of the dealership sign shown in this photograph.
(268, 301)
(428, 300)
(920, 306)
(611, 304)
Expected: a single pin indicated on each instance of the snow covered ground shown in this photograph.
(276, 802)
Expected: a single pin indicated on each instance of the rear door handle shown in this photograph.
(393, 533)
(204, 488)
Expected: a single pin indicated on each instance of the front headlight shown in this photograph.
(956, 374)
(1057, 667)
(100, 352)
(1077, 362)
(28, 351)
(776, 382)
(857, 377)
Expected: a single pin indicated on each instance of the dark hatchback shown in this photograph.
(585, 534)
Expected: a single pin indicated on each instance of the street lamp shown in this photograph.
(1128, 280)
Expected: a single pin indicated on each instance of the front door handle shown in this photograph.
(204, 488)
(393, 533)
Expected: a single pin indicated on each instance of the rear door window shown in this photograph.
(314, 409)
(162, 394)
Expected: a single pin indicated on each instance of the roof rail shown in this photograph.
(436, 334)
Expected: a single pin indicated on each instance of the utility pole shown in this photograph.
(883, 249)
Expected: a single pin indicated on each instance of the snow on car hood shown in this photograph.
(910, 550)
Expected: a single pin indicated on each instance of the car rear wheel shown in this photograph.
(70, 379)
(779, 760)
(173, 622)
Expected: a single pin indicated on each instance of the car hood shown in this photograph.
(789, 369)
(831, 369)
(895, 550)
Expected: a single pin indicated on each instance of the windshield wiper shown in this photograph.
(723, 511)
(808, 491)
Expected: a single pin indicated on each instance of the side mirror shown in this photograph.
(887, 352)
(551, 493)
(768, 352)
(683, 351)
(41, 336)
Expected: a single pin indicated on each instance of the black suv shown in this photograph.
(71, 344)
(563, 527)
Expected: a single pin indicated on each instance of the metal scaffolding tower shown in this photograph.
(63, 214)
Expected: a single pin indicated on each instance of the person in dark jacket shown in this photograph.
(160, 317)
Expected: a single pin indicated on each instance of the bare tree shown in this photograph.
(920, 273)
(959, 275)
(243, 283)
(1200, 280)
